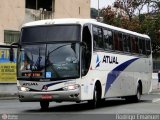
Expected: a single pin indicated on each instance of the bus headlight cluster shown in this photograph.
(24, 89)
(71, 87)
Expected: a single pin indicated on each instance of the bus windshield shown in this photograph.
(54, 61)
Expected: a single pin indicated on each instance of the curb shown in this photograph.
(155, 91)
(155, 100)
(8, 95)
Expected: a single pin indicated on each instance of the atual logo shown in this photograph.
(30, 84)
(97, 61)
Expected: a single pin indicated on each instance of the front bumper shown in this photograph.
(58, 96)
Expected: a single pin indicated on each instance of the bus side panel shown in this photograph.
(120, 73)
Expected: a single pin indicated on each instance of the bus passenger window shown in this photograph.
(120, 42)
(116, 42)
(97, 38)
(127, 44)
(134, 43)
(141, 46)
(108, 39)
(148, 47)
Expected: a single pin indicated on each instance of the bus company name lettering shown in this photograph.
(110, 59)
(30, 84)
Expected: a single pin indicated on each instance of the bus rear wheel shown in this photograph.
(137, 97)
(44, 105)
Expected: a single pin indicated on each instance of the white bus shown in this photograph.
(81, 60)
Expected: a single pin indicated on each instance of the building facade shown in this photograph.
(14, 13)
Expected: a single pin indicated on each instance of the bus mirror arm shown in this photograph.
(83, 44)
(11, 51)
(16, 44)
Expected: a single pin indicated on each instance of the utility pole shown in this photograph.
(98, 8)
(36, 5)
(99, 19)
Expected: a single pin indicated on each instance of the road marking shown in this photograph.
(155, 100)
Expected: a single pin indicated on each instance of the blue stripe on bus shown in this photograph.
(112, 76)
(51, 84)
(55, 83)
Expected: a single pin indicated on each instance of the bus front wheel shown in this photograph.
(96, 98)
(44, 105)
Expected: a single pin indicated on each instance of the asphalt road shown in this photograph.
(14, 109)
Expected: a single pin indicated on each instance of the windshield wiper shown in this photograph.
(48, 63)
(31, 66)
(38, 61)
(57, 49)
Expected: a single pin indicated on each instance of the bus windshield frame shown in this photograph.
(42, 63)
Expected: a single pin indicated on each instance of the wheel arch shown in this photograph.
(98, 86)
(140, 85)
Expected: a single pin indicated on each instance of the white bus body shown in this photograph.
(112, 72)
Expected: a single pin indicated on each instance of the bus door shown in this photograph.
(86, 53)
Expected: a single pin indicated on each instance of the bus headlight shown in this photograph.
(71, 87)
(24, 89)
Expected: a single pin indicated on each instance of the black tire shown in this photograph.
(137, 97)
(96, 99)
(44, 105)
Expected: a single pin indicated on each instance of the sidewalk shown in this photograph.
(8, 91)
(8, 95)
(155, 88)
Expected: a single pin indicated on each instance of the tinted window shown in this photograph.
(148, 47)
(108, 39)
(98, 38)
(118, 41)
(116, 45)
(134, 43)
(127, 43)
(142, 46)
(51, 33)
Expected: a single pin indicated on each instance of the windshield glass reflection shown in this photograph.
(58, 61)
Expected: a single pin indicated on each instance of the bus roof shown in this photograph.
(82, 21)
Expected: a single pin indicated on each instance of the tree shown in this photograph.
(129, 6)
(145, 22)
(109, 16)
(94, 13)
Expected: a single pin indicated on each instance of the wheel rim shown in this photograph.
(138, 94)
(95, 97)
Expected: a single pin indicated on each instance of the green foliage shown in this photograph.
(94, 13)
(145, 23)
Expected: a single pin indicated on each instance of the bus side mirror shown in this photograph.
(148, 52)
(11, 51)
(11, 55)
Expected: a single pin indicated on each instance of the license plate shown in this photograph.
(46, 97)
